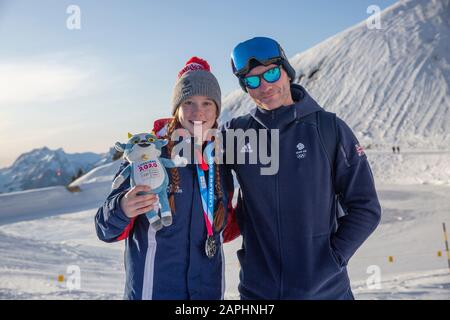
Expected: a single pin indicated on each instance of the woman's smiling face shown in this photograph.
(199, 112)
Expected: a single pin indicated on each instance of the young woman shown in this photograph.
(184, 260)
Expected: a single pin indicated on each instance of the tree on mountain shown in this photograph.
(117, 155)
(79, 174)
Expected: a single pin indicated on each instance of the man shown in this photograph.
(294, 247)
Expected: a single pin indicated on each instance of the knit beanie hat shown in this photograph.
(196, 79)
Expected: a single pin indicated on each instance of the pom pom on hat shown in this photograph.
(194, 63)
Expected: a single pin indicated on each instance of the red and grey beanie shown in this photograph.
(196, 79)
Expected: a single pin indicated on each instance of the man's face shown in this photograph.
(270, 96)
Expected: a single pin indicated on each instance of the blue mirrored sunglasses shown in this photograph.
(272, 75)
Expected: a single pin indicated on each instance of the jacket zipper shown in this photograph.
(280, 293)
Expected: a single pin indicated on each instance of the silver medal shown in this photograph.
(210, 247)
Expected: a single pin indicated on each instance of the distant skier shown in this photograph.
(398, 149)
(393, 149)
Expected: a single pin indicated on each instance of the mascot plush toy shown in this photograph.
(146, 167)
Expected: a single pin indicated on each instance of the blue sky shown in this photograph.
(82, 90)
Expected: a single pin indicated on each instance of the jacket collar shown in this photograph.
(281, 117)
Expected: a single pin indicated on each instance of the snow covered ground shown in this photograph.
(35, 253)
(37, 245)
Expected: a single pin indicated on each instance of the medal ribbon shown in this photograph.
(207, 191)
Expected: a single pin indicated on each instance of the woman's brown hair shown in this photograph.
(219, 214)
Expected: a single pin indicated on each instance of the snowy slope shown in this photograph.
(390, 85)
(34, 252)
(411, 167)
(99, 177)
(44, 231)
(43, 202)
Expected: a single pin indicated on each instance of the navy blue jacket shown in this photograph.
(291, 249)
(171, 263)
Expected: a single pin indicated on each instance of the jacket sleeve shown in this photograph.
(111, 223)
(355, 186)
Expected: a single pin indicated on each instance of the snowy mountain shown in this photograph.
(391, 85)
(44, 167)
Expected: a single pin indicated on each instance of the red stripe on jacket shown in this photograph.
(231, 230)
(124, 235)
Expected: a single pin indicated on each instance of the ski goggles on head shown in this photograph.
(272, 75)
(264, 50)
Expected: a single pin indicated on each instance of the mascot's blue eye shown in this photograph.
(151, 139)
